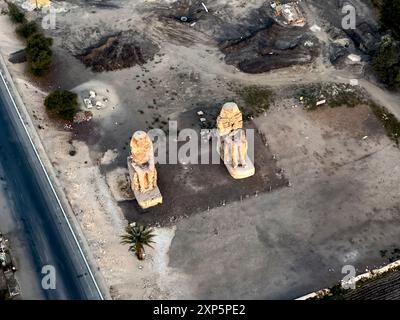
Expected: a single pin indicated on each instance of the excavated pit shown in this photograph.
(271, 48)
(120, 51)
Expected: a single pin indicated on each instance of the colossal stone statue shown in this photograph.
(232, 142)
(142, 171)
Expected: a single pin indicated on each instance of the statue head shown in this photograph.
(141, 147)
(230, 118)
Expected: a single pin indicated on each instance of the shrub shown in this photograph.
(27, 29)
(386, 61)
(390, 13)
(389, 121)
(62, 103)
(39, 53)
(257, 100)
(15, 13)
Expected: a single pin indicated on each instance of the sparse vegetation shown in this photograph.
(257, 100)
(390, 122)
(386, 62)
(137, 236)
(62, 103)
(336, 95)
(39, 54)
(16, 15)
(27, 29)
(390, 13)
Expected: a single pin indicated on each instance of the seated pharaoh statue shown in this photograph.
(232, 142)
(142, 171)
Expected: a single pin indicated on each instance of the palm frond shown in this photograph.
(138, 236)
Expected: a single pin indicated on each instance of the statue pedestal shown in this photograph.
(145, 199)
(240, 172)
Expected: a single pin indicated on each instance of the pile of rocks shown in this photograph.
(95, 101)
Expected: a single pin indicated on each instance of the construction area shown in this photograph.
(325, 189)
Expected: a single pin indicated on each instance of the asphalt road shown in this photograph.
(43, 226)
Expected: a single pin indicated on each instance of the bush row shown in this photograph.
(38, 47)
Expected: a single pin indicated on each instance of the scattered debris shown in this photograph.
(91, 101)
(8, 283)
(83, 116)
(292, 14)
(315, 28)
(204, 6)
(354, 82)
(88, 103)
(354, 58)
(308, 43)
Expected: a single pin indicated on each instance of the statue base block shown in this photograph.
(145, 199)
(148, 199)
(242, 172)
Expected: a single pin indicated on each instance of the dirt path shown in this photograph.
(385, 98)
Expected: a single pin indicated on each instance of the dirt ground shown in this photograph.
(341, 207)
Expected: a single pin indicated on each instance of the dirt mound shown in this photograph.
(271, 48)
(120, 51)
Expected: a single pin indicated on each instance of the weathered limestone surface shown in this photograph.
(142, 171)
(229, 119)
(232, 142)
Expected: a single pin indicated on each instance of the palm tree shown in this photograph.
(137, 237)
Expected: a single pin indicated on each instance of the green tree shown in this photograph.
(137, 236)
(39, 54)
(390, 13)
(27, 29)
(386, 61)
(62, 103)
(15, 13)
